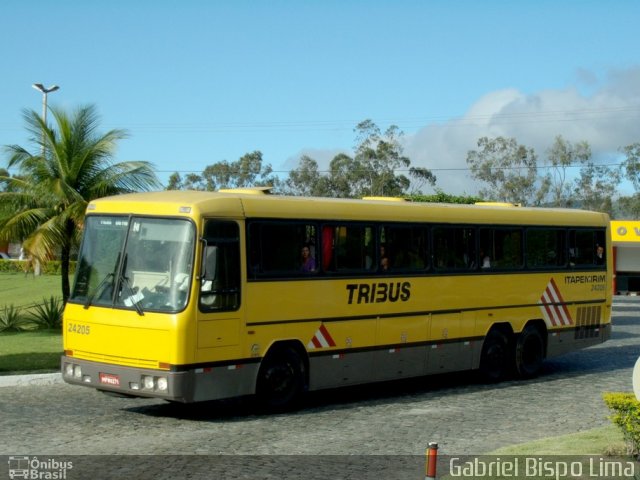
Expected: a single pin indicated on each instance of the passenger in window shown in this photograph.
(307, 260)
(599, 255)
(385, 264)
(385, 260)
(485, 261)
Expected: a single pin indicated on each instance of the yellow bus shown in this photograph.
(193, 296)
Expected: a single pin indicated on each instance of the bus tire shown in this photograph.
(529, 352)
(495, 358)
(281, 379)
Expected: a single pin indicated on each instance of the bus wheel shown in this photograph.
(494, 361)
(529, 353)
(281, 379)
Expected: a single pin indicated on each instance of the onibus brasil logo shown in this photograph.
(33, 468)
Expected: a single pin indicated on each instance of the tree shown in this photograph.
(191, 181)
(374, 170)
(306, 180)
(631, 165)
(592, 189)
(45, 203)
(596, 186)
(630, 205)
(247, 171)
(561, 156)
(380, 158)
(4, 173)
(510, 170)
(175, 182)
(442, 197)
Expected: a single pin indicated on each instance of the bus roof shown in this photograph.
(246, 203)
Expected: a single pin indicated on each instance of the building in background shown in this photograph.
(625, 236)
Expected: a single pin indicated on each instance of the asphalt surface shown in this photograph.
(39, 415)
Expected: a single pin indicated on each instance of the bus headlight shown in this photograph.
(77, 371)
(147, 382)
(68, 369)
(162, 384)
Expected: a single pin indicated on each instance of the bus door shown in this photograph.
(219, 295)
(403, 358)
(443, 349)
(451, 348)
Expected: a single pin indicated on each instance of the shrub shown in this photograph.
(51, 267)
(626, 415)
(12, 319)
(48, 314)
(11, 266)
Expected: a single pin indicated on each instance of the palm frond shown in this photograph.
(44, 205)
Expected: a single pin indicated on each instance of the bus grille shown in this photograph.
(588, 322)
(129, 362)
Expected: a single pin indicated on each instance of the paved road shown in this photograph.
(398, 418)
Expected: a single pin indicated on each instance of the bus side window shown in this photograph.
(352, 248)
(453, 247)
(583, 247)
(275, 249)
(501, 248)
(220, 275)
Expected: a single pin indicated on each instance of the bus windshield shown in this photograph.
(136, 263)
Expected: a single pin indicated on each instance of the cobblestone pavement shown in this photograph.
(398, 418)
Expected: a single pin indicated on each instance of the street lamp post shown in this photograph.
(45, 91)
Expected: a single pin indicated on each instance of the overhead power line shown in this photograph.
(546, 116)
(433, 170)
(550, 116)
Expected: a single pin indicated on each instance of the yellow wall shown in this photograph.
(625, 231)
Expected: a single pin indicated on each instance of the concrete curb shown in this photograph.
(30, 380)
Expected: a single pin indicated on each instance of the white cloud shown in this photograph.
(607, 118)
(605, 113)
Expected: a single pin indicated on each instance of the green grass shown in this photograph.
(23, 291)
(606, 443)
(30, 352)
(598, 441)
(33, 351)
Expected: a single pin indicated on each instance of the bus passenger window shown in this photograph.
(503, 247)
(404, 247)
(281, 248)
(583, 248)
(545, 248)
(351, 249)
(453, 248)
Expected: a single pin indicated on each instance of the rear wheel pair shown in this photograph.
(499, 356)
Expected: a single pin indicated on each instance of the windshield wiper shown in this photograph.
(133, 298)
(98, 289)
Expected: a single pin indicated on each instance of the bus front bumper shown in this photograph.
(127, 381)
(189, 385)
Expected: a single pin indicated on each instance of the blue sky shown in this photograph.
(197, 82)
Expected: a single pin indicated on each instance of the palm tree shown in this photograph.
(44, 203)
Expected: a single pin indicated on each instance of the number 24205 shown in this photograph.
(79, 329)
